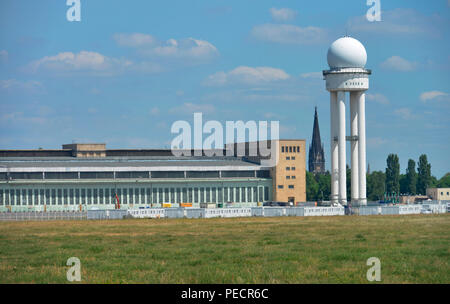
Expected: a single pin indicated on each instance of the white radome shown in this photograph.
(347, 52)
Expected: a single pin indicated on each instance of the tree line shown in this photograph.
(318, 186)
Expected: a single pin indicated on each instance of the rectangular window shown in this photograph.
(249, 194)
(77, 196)
(280, 186)
(143, 200)
(291, 186)
(293, 168)
(130, 199)
(208, 195)
(24, 197)
(53, 200)
(243, 196)
(220, 195)
(288, 158)
(287, 168)
(7, 199)
(60, 197)
(202, 195)
(293, 157)
(71, 196)
(293, 177)
(166, 195)
(266, 193)
(1, 197)
(282, 149)
(41, 197)
(125, 196)
(136, 196)
(298, 149)
(89, 196)
(83, 196)
(185, 198)
(288, 177)
(255, 194)
(30, 197)
(102, 196)
(149, 196)
(260, 196)
(190, 199)
(155, 196)
(95, 196)
(196, 195)
(290, 149)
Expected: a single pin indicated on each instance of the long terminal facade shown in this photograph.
(89, 176)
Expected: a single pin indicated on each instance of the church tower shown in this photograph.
(316, 156)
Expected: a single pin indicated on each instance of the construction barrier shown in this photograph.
(146, 213)
(227, 212)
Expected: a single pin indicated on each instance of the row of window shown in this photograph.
(133, 174)
(290, 177)
(290, 149)
(282, 186)
(90, 196)
(290, 168)
(290, 157)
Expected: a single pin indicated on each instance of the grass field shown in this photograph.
(412, 249)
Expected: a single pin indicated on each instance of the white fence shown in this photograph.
(324, 211)
(228, 212)
(147, 213)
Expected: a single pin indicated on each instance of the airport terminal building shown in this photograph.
(89, 176)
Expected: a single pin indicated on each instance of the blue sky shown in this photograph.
(130, 69)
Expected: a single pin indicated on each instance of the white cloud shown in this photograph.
(404, 113)
(398, 63)
(82, 61)
(188, 48)
(246, 75)
(432, 95)
(154, 111)
(134, 40)
(400, 21)
(10, 84)
(92, 63)
(375, 142)
(289, 34)
(3, 56)
(189, 108)
(283, 14)
(377, 97)
(312, 75)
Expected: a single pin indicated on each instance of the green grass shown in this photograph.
(412, 249)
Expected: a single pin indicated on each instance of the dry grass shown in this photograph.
(412, 249)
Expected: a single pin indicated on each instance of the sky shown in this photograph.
(129, 69)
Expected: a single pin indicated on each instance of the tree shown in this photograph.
(324, 185)
(311, 187)
(424, 175)
(444, 182)
(375, 185)
(411, 177)
(403, 183)
(392, 174)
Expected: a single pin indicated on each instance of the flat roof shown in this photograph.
(70, 164)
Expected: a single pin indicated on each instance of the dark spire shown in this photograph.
(316, 155)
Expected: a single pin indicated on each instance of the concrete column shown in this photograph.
(361, 98)
(334, 149)
(341, 145)
(354, 145)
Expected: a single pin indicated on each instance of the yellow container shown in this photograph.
(167, 205)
